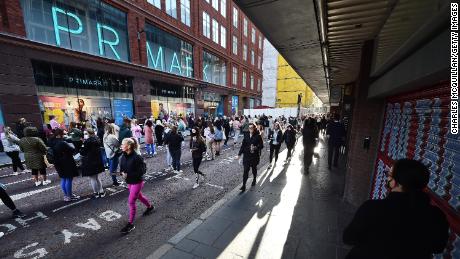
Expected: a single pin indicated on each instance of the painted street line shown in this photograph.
(9, 175)
(28, 179)
(27, 194)
(70, 205)
(117, 192)
(216, 186)
(110, 189)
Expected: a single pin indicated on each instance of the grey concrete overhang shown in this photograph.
(292, 28)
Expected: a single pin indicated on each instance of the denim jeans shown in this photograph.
(150, 149)
(175, 155)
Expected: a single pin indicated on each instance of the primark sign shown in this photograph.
(95, 27)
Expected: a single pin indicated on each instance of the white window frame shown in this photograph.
(244, 79)
(260, 62)
(215, 4)
(245, 27)
(245, 52)
(252, 57)
(223, 37)
(170, 6)
(185, 12)
(235, 17)
(252, 82)
(234, 45)
(234, 75)
(223, 8)
(253, 35)
(206, 25)
(260, 41)
(156, 3)
(215, 31)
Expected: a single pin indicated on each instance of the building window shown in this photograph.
(260, 62)
(244, 79)
(207, 1)
(245, 52)
(223, 8)
(252, 82)
(253, 36)
(245, 27)
(215, 4)
(260, 85)
(223, 37)
(235, 17)
(252, 57)
(206, 25)
(156, 3)
(215, 31)
(234, 76)
(171, 8)
(260, 42)
(235, 45)
(214, 69)
(167, 53)
(97, 28)
(185, 12)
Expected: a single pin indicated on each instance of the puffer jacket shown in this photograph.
(10, 143)
(34, 149)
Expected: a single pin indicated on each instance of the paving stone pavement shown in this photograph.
(289, 214)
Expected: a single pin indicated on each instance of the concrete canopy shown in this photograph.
(291, 27)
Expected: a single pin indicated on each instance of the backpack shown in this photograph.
(50, 155)
(218, 135)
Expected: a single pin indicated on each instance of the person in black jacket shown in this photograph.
(197, 147)
(309, 134)
(92, 164)
(174, 142)
(159, 129)
(250, 148)
(132, 168)
(275, 136)
(289, 139)
(336, 133)
(64, 163)
(404, 225)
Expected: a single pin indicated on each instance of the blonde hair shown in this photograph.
(131, 142)
(110, 129)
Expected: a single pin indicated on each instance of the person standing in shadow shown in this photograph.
(404, 224)
(309, 133)
(250, 149)
(336, 136)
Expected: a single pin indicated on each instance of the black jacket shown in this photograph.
(63, 158)
(133, 165)
(197, 147)
(279, 137)
(402, 226)
(91, 160)
(251, 158)
(309, 134)
(337, 133)
(289, 138)
(174, 141)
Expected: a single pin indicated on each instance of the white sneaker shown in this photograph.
(26, 171)
(181, 171)
(38, 184)
(196, 185)
(15, 173)
(46, 182)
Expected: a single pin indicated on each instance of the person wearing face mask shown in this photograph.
(276, 139)
(404, 224)
(250, 149)
(197, 147)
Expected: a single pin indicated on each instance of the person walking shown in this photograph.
(197, 147)
(76, 135)
(34, 153)
(404, 224)
(10, 145)
(250, 151)
(336, 134)
(92, 164)
(289, 139)
(136, 131)
(227, 127)
(64, 163)
(167, 131)
(245, 126)
(275, 136)
(112, 151)
(209, 134)
(132, 168)
(6, 199)
(236, 129)
(125, 130)
(159, 130)
(149, 141)
(218, 137)
(20, 126)
(174, 142)
(309, 134)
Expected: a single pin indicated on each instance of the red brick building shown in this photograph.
(138, 57)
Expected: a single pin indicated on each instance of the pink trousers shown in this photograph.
(134, 194)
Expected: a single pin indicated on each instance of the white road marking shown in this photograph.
(117, 192)
(29, 179)
(110, 189)
(216, 186)
(27, 194)
(70, 205)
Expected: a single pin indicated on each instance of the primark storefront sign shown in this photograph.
(89, 26)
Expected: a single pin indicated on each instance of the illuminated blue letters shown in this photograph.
(177, 65)
(187, 65)
(103, 41)
(57, 27)
(159, 58)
